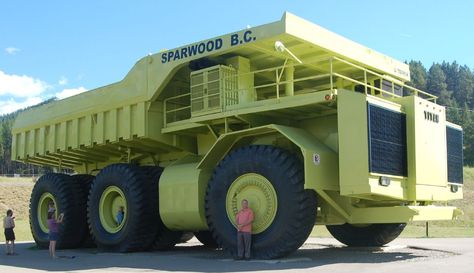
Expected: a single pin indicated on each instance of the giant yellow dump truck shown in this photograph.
(308, 126)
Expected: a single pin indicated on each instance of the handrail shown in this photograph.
(430, 96)
(327, 68)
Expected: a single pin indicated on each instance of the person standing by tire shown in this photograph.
(53, 226)
(244, 219)
(9, 225)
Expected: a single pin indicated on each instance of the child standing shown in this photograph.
(53, 226)
(9, 225)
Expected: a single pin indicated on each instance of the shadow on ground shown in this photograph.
(198, 258)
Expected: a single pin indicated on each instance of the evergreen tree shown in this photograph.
(453, 113)
(465, 86)
(466, 115)
(469, 144)
(451, 72)
(418, 75)
(436, 84)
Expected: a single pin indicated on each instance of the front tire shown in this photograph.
(272, 179)
(371, 235)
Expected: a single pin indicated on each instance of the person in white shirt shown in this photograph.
(9, 225)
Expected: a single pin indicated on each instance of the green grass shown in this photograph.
(418, 231)
(22, 230)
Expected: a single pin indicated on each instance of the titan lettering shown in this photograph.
(431, 117)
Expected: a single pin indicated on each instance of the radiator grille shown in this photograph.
(387, 141)
(454, 141)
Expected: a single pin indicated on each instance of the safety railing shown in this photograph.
(324, 74)
(408, 90)
(177, 108)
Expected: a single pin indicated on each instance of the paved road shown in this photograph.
(316, 255)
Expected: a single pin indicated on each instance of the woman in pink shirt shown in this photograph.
(244, 219)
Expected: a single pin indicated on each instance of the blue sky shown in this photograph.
(59, 48)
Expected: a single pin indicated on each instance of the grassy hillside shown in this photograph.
(15, 194)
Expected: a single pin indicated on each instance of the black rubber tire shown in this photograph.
(165, 239)
(65, 191)
(139, 229)
(372, 235)
(85, 182)
(296, 212)
(205, 237)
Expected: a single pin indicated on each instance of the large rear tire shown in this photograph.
(165, 239)
(128, 186)
(371, 235)
(84, 182)
(62, 190)
(272, 180)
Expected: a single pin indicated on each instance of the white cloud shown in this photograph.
(12, 50)
(63, 81)
(70, 92)
(12, 105)
(21, 86)
(20, 91)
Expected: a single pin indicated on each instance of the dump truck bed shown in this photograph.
(127, 116)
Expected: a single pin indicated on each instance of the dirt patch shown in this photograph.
(15, 194)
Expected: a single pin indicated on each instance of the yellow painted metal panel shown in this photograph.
(182, 192)
(51, 138)
(124, 123)
(113, 123)
(22, 145)
(402, 214)
(30, 142)
(320, 161)
(427, 138)
(85, 131)
(73, 134)
(353, 146)
(99, 128)
(437, 193)
(61, 136)
(140, 119)
(396, 190)
(344, 47)
(42, 141)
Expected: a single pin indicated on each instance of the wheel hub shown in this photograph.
(110, 201)
(261, 196)
(42, 211)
